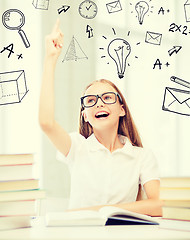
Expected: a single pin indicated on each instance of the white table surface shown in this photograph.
(40, 231)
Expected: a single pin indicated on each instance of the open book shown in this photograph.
(107, 215)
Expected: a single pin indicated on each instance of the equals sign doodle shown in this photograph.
(89, 30)
(64, 8)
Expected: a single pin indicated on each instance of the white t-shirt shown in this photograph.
(100, 177)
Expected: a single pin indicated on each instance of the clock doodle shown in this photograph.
(88, 9)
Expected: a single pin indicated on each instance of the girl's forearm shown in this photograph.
(53, 43)
(46, 108)
(151, 207)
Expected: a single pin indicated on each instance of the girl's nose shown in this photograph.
(99, 103)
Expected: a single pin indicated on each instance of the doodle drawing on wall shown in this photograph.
(175, 50)
(89, 31)
(12, 87)
(177, 100)
(74, 51)
(113, 7)
(41, 4)
(14, 19)
(187, 10)
(141, 8)
(64, 9)
(153, 38)
(119, 50)
(88, 9)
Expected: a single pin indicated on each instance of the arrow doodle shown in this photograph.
(64, 8)
(173, 50)
(89, 30)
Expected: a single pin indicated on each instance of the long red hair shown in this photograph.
(126, 124)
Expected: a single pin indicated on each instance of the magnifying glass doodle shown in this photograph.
(14, 19)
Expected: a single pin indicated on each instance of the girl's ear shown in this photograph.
(84, 116)
(122, 112)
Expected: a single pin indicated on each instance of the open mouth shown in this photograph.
(102, 115)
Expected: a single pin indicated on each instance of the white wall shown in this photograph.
(18, 122)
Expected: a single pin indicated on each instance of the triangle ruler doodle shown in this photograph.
(74, 51)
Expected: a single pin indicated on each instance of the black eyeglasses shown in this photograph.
(107, 98)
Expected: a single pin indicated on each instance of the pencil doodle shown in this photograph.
(113, 7)
(41, 4)
(177, 100)
(64, 8)
(89, 31)
(13, 87)
(14, 19)
(180, 81)
(153, 38)
(74, 51)
(88, 9)
(187, 10)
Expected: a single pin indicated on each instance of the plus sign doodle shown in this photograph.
(158, 64)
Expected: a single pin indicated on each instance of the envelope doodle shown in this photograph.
(177, 100)
(153, 38)
(114, 7)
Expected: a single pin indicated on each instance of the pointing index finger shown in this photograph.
(56, 26)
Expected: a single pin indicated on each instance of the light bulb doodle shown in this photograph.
(141, 8)
(119, 50)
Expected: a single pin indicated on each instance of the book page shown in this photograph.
(110, 211)
(80, 218)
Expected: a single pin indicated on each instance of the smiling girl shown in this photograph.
(106, 158)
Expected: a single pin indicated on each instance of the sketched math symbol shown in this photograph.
(14, 19)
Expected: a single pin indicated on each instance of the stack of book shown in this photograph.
(175, 192)
(19, 191)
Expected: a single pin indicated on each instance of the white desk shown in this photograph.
(41, 232)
